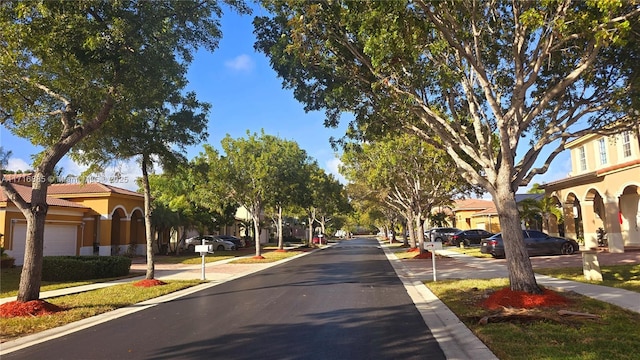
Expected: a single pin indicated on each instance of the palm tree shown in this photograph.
(533, 212)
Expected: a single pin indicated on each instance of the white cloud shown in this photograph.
(241, 63)
(122, 174)
(16, 164)
(333, 166)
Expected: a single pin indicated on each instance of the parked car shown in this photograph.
(319, 239)
(468, 237)
(441, 234)
(218, 243)
(240, 243)
(536, 242)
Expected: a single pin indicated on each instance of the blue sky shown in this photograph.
(245, 94)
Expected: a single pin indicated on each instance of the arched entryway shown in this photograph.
(594, 215)
(573, 217)
(118, 233)
(553, 216)
(629, 216)
(136, 233)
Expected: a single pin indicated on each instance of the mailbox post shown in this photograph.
(203, 250)
(433, 246)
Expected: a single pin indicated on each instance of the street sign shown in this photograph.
(204, 248)
(433, 246)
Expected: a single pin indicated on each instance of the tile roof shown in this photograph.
(88, 188)
(25, 192)
(488, 211)
(472, 204)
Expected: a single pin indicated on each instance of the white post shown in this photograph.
(432, 246)
(433, 261)
(203, 277)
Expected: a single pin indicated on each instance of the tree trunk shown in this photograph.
(322, 222)
(420, 231)
(280, 240)
(147, 220)
(35, 213)
(310, 240)
(255, 215)
(412, 234)
(521, 275)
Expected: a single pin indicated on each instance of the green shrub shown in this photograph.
(72, 268)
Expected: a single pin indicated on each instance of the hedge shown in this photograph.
(72, 268)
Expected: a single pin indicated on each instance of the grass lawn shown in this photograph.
(614, 335)
(619, 276)
(90, 303)
(11, 277)
(189, 258)
(86, 304)
(270, 256)
(470, 250)
(10, 280)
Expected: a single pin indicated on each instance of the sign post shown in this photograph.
(203, 250)
(432, 246)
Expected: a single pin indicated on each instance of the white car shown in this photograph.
(218, 243)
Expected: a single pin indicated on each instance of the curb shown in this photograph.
(455, 338)
(53, 333)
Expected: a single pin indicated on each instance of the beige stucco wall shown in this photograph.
(607, 194)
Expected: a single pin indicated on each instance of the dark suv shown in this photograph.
(442, 234)
(468, 237)
(240, 243)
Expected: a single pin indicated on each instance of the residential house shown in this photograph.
(82, 219)
(475, 214)
(479, 213)
(601, 191)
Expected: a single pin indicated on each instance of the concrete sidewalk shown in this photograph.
(455, 265)
(215, 272)
(455, 339)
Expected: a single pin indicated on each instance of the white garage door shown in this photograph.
(59, 239)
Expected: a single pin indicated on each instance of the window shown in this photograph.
(582, 158)
(626, 144)
(602, 147)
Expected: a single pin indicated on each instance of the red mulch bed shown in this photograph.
(413, 249)
(258, 257)
(424, 255)
(520, 299)
(149, 283)
(29, 308)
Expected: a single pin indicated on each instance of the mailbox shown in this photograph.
(432, 245)
(204, 248)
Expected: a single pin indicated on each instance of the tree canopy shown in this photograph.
(495, 83)
(67, 68)
(410, 175)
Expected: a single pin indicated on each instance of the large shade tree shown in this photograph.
(251, 173)
(413, 175)
(288, 189)
(503, 85)
(68, 67)
(158, 134)
(324, 198)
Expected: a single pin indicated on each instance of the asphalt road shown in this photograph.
(343, 302)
